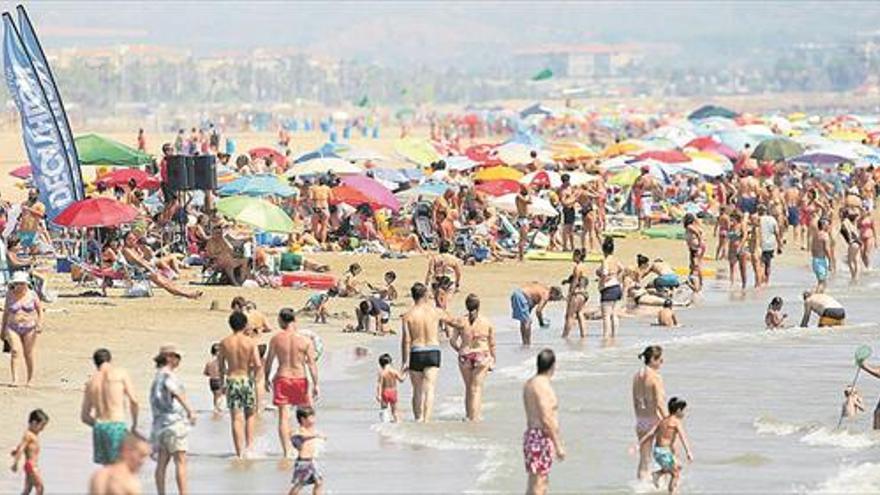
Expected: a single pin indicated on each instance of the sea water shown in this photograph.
(762, 411)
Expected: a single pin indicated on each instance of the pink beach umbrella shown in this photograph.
(373, 189)
(23, 172)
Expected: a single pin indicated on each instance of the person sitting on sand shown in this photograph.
(775, 318)
(829, 311)
(443, 264)
(852, 402)
(121, 477)
(220, 256)
(349, 285)
(666, 316)
(387, 292)
(133, 258)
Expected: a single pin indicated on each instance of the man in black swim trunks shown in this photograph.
(567, 197)
(420, 349)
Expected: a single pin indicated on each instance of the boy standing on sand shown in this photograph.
(665, 433)
(30, 448)
(386, 390)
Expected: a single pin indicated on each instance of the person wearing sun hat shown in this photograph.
(21, 324)
(172, 416)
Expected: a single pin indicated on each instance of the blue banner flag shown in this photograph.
(47, 80)
(42, 138)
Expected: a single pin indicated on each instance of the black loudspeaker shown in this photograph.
(190, 173)
(205, 170)
(179, 173)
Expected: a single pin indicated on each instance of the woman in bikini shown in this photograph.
(610, 291)
(853, 239)
(577, 295)
(22, 317)
(753, 247)
(474, 340)
(649, 402)
(736, 254)
(868, 235)
(696, 246)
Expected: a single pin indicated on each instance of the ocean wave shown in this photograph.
(817, 435)
(421, 435)
(860, 478)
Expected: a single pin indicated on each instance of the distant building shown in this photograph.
(578, 61)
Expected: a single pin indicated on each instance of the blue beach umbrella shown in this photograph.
(257, 186)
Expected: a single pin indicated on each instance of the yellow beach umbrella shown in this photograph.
(498, 173)
(621, 148)
(847, 135)
(416, 150)
(706, 155)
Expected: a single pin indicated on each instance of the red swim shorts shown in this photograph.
(537, 452)
(290, 392)
(389, 396)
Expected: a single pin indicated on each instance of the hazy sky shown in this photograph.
(438, 33)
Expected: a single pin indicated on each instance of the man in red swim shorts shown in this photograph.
(541, 440)
(295, 353)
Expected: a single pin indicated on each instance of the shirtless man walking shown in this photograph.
(820, 249)
(103, 408)
(649, 403)
(240, 362)
(643, 191)
(295, 352)
(121, 477)
(541, 440)
(420, 349)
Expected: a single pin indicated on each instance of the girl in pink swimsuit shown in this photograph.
(21, 324)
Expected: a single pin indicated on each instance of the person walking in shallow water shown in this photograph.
(541, 440)
(475, 342)
(649, 397)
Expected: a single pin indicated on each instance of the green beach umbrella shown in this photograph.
(777, 149)
(256, 212)
(543, 75)
(363, 102)
(625, 178)
(100, 151)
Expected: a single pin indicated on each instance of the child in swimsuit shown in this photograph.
(215, 380)
(852, 403)
(386, 389)
(29, 447)
(665, 434)
(775, 318)
(305, 468)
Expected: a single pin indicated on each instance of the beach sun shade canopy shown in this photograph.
(255, 212)
(97, 150)
(122, 176)
(96, 212)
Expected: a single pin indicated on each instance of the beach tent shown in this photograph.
(95, 150)
(707, 111)
(535, 109)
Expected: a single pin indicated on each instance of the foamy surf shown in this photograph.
(817, 435)
(860, 478)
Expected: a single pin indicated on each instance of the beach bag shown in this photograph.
(138, 288)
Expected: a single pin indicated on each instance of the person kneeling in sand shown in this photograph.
(121, 477)
(666, 316)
